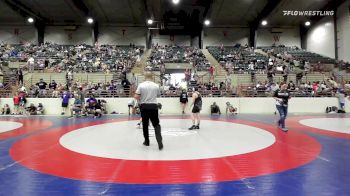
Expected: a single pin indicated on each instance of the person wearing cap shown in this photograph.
(146, 94)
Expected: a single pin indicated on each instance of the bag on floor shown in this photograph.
(341, 111)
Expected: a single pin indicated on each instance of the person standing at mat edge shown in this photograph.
(146, 94)
(183, 100)
(197, 106)
(282, 96)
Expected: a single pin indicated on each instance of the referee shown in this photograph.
(146, 94)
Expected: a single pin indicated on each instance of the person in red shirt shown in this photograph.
(211, 73)
(16, 100)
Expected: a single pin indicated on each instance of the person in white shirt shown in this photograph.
(30, 63)
(146, 94)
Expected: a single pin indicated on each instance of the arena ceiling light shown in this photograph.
(307, 23)
(264, 22)
(207, 22)
(149, 21)
(90, 20)
(176, 1)
(30, 20)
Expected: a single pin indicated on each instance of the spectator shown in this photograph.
(6, 110)
(53, 85)
(211, 73)
(183, 100)
(31, 110)
(30, 63)
(299, 76)
(42, 87)
(230, 108)
(270, 75)
(341, 98)
(77, 107)
(40, 109)
(20, 77)
(126, 85)
(214, 109)
(65, 100)
(132, 105)
(22, 102)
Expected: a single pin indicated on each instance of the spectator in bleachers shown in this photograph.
(299, 76)
(31, 64)
(53, 85)
(126, 85)
(20, 77)
(270, 74)
(291, 86)
(211, 73)
(42, 87)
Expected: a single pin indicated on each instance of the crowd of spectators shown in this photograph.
(177, 54)
(238, 59)
(327, 88)
(75, 58)
(55, 90)
(295, 60)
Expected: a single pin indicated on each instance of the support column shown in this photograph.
(201, 38)
(195, 41)
(303, 36)
(40, 27)
(95, 33)
(335, 20)
(252, 35)
(149, 39)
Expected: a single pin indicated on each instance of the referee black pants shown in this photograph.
(150, 112)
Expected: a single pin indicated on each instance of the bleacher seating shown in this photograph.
(177, 54)
(238, 57)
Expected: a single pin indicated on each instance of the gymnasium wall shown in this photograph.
(343, 16)
(18, 34)
(245, 105)
(122, 35)
(286, 36)
(62, 35)
(225, 36)
(179, 40)
(320, 38)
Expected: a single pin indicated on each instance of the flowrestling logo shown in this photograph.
(307, 13)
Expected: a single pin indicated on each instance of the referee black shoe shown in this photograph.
(193, 127)
(160, 146)
(146, 143)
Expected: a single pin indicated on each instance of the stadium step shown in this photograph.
(140, 66)
(220, 71)
(260, 52)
